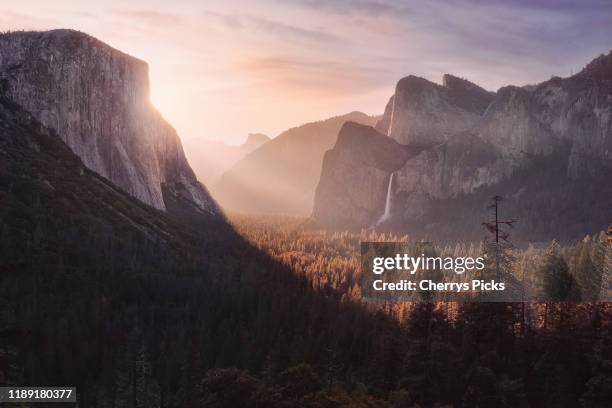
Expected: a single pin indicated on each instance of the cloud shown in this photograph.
(314, 77)
(559, 5)
(310, 57)
(277, 29)
(26, 21)
(370, 8)
(151, 17)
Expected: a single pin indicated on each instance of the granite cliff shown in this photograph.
(96, 99)
(422, 111)
(471, 141)
(361, 153)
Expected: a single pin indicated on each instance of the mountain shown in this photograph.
(281, 176)
(121, 299)
(253, 141)
(96, 98)
(211, 158)
(546, 148)
(363, 154)
(422, 111)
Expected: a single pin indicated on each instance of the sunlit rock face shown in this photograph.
(97, 100)
(469, 139)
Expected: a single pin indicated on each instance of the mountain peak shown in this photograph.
(600, 68)
(58, 32)
(352, 130)
(426, 112)
(254, 140)
(414, 84)
(453, 82)
(466, 94)
(109, 123)
(68, 41)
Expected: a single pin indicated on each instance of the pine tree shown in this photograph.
(603, 261)
(431, 362)
(498, 257)
(558, 285)
(598, 392)
(588, 277)
(189, 392)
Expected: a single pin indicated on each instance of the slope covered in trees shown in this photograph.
(132, 306)
(138, 308)
(474, 354)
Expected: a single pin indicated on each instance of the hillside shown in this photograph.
(281, 176)
(134, 305)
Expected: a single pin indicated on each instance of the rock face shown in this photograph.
(281, 176)
(97, 100)
(424, 112)
(361, 153)
(575, 111)
(472, 140)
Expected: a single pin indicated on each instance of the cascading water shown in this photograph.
(387, 214)
(391, 118)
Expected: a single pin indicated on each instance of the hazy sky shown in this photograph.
(222, 69)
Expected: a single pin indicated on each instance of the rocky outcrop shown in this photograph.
(421, 111)
(575, 111)
(511, 124)
(355, 175)
(356, 172)
(435, 123)
(97, 100)
(472, 140)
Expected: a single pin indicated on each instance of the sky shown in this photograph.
(223, 69)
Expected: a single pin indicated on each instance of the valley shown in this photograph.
(235, 279)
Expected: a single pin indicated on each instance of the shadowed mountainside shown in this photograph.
(130, 303)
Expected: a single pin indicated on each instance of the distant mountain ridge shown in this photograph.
(210, 159)
(96, 98)
(474, 141)
(281, 175)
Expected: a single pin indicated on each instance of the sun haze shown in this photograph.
(222, 70)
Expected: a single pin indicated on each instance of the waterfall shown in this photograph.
(391, 118)
(387, 214)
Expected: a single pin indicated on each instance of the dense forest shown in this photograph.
(139, 308)
(331, 259)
